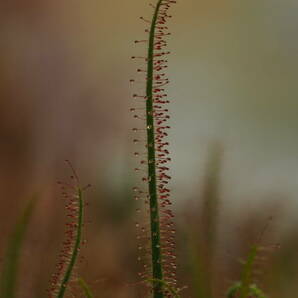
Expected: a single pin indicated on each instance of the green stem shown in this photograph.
(154, 210)
(76, 248)
(172, 290)
(86, 288)
(247, 272)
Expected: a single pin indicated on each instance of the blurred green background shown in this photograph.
(64, 93)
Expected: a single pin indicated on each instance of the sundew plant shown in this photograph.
(156, 232)
(151, 109)
(72, 193)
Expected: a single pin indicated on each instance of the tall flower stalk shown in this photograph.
(155, 117)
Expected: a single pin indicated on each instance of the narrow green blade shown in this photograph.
(8, 280)
(85, 288)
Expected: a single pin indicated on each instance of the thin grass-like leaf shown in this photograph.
(8, 281)
(86, 288)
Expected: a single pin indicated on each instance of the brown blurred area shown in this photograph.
(55, 105)
(64, 94)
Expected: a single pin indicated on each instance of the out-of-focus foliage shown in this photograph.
(9, 275)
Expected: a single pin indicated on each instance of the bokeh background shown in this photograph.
(65, 93)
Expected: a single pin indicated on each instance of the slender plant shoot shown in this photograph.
(154, 116)
(8, 280)
(73, 194)
(85, 288)
(247, 287)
